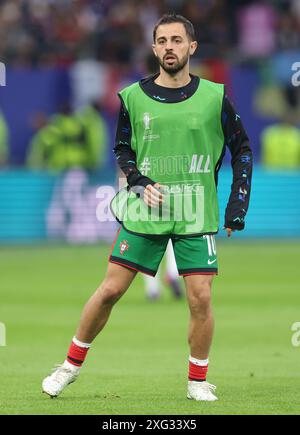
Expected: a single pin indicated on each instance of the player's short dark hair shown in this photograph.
(174, 18)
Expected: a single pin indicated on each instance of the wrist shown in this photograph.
(137, 179)
(235, 224)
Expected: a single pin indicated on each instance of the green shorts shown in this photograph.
(194, 255)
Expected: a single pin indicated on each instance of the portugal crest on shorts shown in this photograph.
(123, 246)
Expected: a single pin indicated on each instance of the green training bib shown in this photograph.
(179, 146)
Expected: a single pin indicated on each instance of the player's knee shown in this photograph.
(200, 298)
(109, 293)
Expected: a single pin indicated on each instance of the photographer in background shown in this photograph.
(70, 140)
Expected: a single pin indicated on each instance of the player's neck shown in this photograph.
(182, 78)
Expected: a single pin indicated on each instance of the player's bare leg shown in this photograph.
(201, 326)
(94, 317)
(98, 308)
(198, 289)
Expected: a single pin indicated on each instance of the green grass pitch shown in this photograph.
(138, 364)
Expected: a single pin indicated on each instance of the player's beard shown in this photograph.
(177, 66)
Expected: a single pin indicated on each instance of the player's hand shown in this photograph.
(229, 232)
(153, 197)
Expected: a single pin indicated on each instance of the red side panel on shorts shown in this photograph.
(114, 242)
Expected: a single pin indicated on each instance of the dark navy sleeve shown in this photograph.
(237, 141)
(125, 155)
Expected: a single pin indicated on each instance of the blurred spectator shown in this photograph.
(96, 135)
(3, 141)
(257, 30)
(295, 8)
(288, 36)
(281, 145)
(88, 79)
(59, 32)
(69, 140)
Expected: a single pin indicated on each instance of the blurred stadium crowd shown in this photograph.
(57, 32)
(109, 41)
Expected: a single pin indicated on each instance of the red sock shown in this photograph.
(76, 354)
(197, 372)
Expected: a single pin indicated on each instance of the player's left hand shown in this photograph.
(229, 232)
(153, 195)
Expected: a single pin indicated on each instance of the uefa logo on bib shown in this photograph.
(147, 120)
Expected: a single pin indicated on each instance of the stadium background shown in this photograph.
(53, 250)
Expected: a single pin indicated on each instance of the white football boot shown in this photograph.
(201, 391)
(62, 376)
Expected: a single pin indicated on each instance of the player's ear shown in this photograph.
(154, 51)
(193, 47)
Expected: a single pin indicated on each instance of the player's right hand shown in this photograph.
(153, 197)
